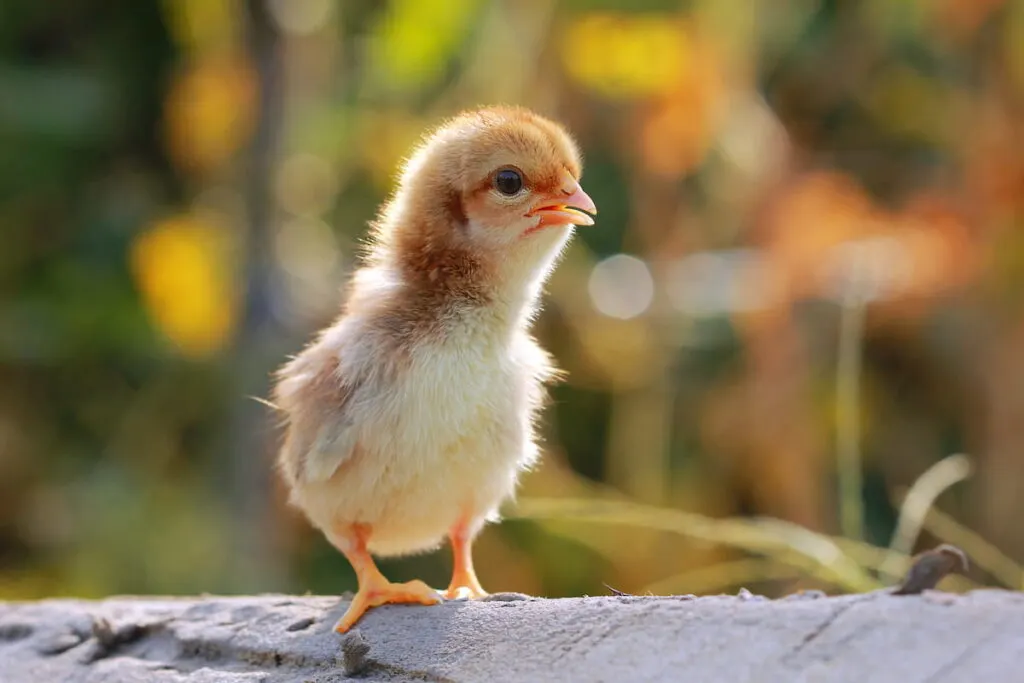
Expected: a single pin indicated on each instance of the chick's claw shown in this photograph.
(464, 584)
(464, 593)
(386, 593)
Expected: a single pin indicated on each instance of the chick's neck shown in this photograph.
(456, 279)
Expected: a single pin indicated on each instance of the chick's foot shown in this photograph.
(374, 588)
(382, 592)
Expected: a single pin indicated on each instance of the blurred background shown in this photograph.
(805, 288)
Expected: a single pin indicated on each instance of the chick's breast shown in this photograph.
(442, 438)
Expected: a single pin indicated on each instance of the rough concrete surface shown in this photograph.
(877, 638)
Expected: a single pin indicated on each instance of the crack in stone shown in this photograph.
(947, 668)
(821, 628)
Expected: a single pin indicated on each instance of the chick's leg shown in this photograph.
(374, 589)
(464, 583)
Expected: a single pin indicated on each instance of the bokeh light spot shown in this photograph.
(621, 287)
(724, 282)
(306, 184)
(181, 268)
(209, 113)
(308, 255)
(301, 17)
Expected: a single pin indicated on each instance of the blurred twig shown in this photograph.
(917, 512)
(981, 552)
(917, 503)
(848, 371)
(254, 350)
(874, 558)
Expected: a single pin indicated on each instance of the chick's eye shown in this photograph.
(508, 182)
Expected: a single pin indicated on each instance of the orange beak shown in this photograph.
(564, 209)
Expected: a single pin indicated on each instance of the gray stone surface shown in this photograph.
(877, 638)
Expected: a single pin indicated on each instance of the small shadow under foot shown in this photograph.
(506, 597)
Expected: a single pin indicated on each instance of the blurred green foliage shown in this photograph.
(184, 184)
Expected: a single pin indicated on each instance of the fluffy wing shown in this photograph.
(317, 401)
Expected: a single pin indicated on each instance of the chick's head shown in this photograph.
(499, 179)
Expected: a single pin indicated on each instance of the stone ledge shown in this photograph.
(934, 637)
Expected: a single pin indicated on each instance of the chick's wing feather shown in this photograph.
(318, 402)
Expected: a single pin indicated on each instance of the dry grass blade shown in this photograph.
(916, 504)
(815, 554)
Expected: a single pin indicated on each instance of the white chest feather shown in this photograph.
(465, 396)
(444, 439)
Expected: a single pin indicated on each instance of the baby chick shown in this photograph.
(410, 418)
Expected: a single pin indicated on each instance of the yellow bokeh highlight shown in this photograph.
(202, 24)
(209, 113)
(662, 60)
(417, 38)
(182, 268)
(622, 56)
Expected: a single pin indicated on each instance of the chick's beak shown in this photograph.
(564, 208)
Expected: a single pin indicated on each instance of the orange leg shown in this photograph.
(464, 583)
(374, 589)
